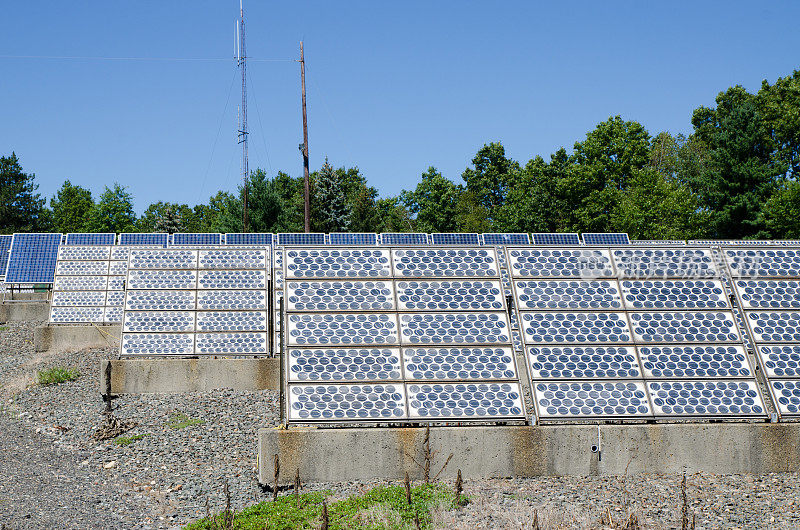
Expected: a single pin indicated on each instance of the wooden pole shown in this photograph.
(307, 209)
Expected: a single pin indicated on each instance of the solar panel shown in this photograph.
(158, 321)
(197, 239)
(232, 299)
(652, 242)
(404, 238)
(355, 295)
(774, 326)
(664, 263)
(234, 279)
(706, 398)
(465, 401)
(161, 279)
(162, 259)
(157, 344)
(769, 294)
(445, 263)
(144, 239)
(556, 238)
(454, 328)
(575, 328)
(80, 283)
(340, 364)
(770, 263)
(502, 239)
(91, 239)
(684, 361)
(231, 343)
(5, 246)
(559, 263)
(232, 259)
(80, 253)
(159, 300)
(455, 239)
(459, 363)
(79, 298)
(84, 268)
(575, 399)
(231, 320)
(684, 327)
(787, 396)
(450, 295)
(255, 239)
(780, 360)
(342, 329)
(376, 402)
(611, 238)
(301, 239)
(674, 294)
(76, 314)
(348, 238)
(583, 362)
(337, 263)
(567, 294)
(33, 258)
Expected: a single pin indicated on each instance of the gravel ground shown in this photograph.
(55, 475)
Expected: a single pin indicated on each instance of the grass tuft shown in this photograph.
(3, 328)
(55, 376)
(124, 441)
(181, 421)
(384, 507)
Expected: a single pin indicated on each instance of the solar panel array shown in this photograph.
(5, 246)
(396, 334)
(630, 333)
(136, 239)
(196, 239)
(252, 239)
(556, 238)
(32, 258)
(463, 239)
(90, 239)
(352, 238)
(196, 302)
(608, 238)
(89, 284)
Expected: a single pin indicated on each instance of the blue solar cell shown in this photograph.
(775, 326)
(505, 239)
(674, 294)
(664, 263)
(404, 238)
(144, 239)
(354, 364)
(450, 295)
(354, 402)
(767, 263)
(611, 238)
(567, 294)
(455, 239)
(33, 258)
(298, 238)
(454, 328)
(780, 360)
(347, 238)
(769, 294)
(591, 399)
(787, 396)
(453, 364)
(575, 328)
(197, 239)
(5, 246)
(556, 238)
(684, 327)
(445, 263)
(681, 361)
(255, 239)
(583, 362)
(705, 398)
(559, 263)
(91, 239)
(464, 401)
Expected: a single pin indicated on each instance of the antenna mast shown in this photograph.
(241, 61)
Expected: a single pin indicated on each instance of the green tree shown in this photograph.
(433, 203)
(779, 107)
(166, 217)
(490, 178)
(393, 215)
(21, 208)
(470, 214)
(72, 207)
(113, 212)
(781, 213)
(332, 213)
(264, 207)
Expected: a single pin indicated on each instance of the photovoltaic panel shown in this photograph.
(651, 242)
(33, 258)
(583, 362)
(576, 399)
(354, 402)
(454, 328)
(157, 343)
(452, 401)
(455, 239)
(162, 259)
(459, 363)
(774, 326)
(690, 361)
(351, 295)
(340, 364)
(5, 246)
(232, 299)
(232, 279)
(767, 263)
(674, 294)
(338, 329)
(664, 263)
(350, 238)
(83, 268)
(575, 328)
(769, 294)
(160, 300)
(129, 239)
(404, 238)
(162, 279)
(337, 263)
(79, 299)
(559, 263)
(255, 239)
(196, 239)
(780, 360)
(746, 242)
(299, 238)
(611, 238)
(80, 283)
(684, 327)
(556, 238)
(445, 263)
(76, 314)
(91, 239)
(503, 239)
(83, 253)
(567, 294)
(787, 396)
(706, 398)
(450, 295)
(231, 343)
(236, 258)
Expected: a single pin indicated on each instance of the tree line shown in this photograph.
(733, 177)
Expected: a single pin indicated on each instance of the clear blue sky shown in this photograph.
(392, 87)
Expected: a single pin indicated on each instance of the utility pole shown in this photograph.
(304, 147)
(241, 61)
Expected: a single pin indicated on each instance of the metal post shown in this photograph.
(282, 394)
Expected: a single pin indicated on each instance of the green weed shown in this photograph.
(124, 441)
(181, 421)
(55, 376)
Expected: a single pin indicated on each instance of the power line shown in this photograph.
(165, 59)
(219, 129)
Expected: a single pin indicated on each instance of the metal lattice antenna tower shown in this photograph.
(241, 61)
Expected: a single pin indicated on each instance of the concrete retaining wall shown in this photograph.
(141, 376)
(360, 454)
(63, 338)
(17, 311)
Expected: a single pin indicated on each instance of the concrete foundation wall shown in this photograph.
(142, 376)
(17, 311)
(353, 454)
(63, 338)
